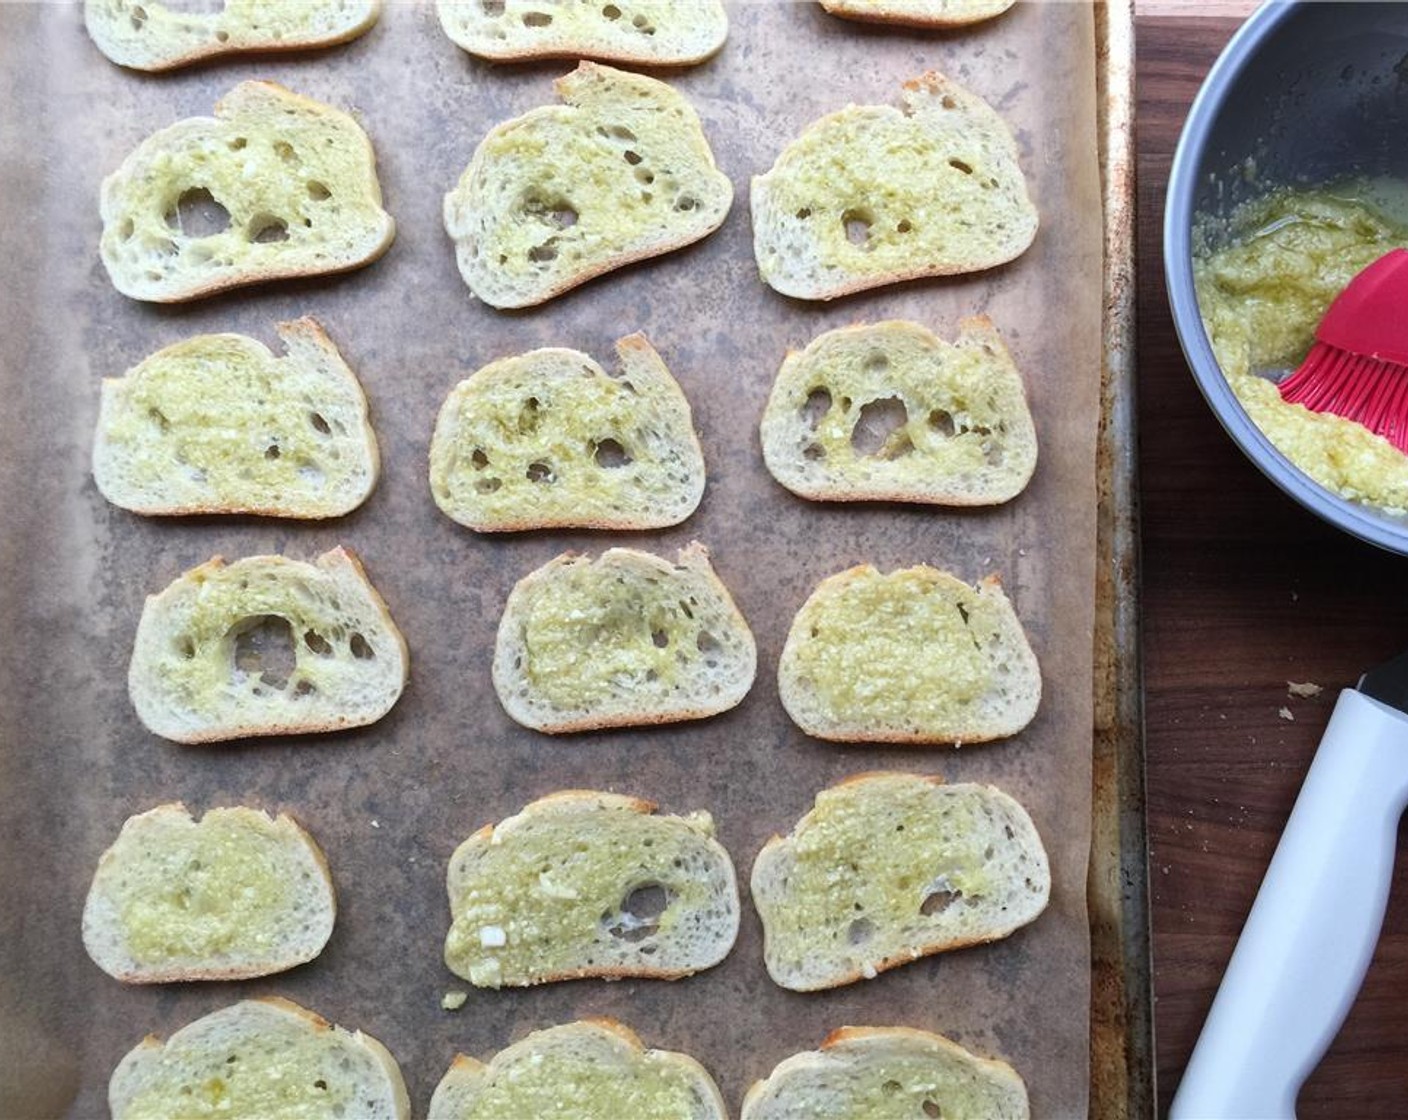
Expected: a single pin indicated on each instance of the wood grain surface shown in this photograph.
(1243, 591)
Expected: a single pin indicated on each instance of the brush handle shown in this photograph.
(1312, 930)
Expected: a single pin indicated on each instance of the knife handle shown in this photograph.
(1312, 930)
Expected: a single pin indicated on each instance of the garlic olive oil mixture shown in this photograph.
(1264, 278)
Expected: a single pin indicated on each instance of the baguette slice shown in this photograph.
(549, 439)
(218, 424)
(918, 13)
(274, 185)
(234, 895)
(872, 195)
(653, 32)
(261, 1059)
(888, 1071)
(915, 656)
(618, 173)
(891, 412)
(889, 867)
(266, 646)
(584, 884)
(593, 1069)
(149, 35)
(624, 640)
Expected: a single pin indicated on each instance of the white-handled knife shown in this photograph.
(1312, 930)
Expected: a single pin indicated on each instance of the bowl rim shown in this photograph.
(1183, 300)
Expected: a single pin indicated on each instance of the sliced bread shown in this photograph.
(233, 895)
(151, 35)
(884, 1072)
(918, 13)
(261, 1059)
(593, 1069)
(891, 412)
(274, 185)
(623, 640)
(887, 868)
(915, 656)
(654, 32)
(218, 424)
(589, 884)
(266, 646)
(549, 439)
(872, 195)
(618, 173)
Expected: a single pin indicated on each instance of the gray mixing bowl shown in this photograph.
(1304, 93)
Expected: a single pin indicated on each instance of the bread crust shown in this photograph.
(225, 109)
(583, 801)
(160, 975)
(338, 560)
(217, 48)
(762, 867)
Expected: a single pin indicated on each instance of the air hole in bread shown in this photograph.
(814, 452)
(321, 1085)
(317, 643)
(126, 228)
(904, 226)
(611, 11)
(317, 191)
(816, 406)
(878, 425)
(284, 150)
(643, 25)
(959, 165)
(488, 485)
(266, 228)
(646, 902)
(609, 454)
(264, 649)
(804, 213)
(962, 612)
(536, 19)
(139, 17)
(222, 36)
(361, 648)
(632, 157)
(860, 931)
(932, 1110)
(706, 643)
(942, 422)
(857, 224)
(479, 459)
(304, 688)
(540, 254)
(320, 425)
(198, 213)
(492, 8)
(936, 902)
(540, 472)
(186, 647)
(877, 363)
(948, 102)
(272, 451)
(659, 638)
(157, 417)
(529, 415)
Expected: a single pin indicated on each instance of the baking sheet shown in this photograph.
(389, 803)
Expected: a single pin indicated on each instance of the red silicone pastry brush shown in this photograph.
(1358, 367)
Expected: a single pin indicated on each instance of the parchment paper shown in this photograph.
(389, 803)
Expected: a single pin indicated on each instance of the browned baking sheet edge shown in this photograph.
(1121, 1013)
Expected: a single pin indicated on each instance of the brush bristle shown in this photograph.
(1367, 390)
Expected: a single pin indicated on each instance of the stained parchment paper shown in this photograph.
(389, 803)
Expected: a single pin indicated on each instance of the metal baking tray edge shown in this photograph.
(1121, 1014)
